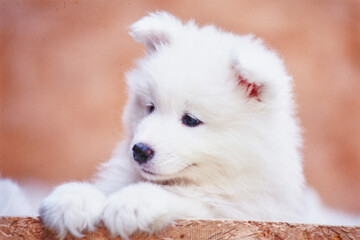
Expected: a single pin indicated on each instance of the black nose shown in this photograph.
(142, 153)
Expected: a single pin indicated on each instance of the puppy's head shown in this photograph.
(202, 102)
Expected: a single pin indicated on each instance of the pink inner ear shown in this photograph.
(155, 40)
(252, 90)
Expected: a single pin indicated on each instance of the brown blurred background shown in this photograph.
(62, 92)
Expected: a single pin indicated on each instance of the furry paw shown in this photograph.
(72, 207)
(144, 207)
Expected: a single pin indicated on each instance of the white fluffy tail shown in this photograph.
(13, 201)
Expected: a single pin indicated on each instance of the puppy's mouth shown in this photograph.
(166, 176)
(148, 172)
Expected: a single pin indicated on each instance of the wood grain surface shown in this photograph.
(29, 228)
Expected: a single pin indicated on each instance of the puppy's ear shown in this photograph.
(259, 71)
(155, 30)
(252, 88)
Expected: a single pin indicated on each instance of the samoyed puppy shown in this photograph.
(211, 132)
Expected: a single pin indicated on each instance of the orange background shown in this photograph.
(62, 91)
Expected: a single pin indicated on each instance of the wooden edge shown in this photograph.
(32, 229)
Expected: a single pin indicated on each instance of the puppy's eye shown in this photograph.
(190, 121)
(150, 108)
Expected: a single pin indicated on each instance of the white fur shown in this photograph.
(243, 162)
(13, 201)
(147, 207)
(73, 207)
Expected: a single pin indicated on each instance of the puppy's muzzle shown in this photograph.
(142, 153)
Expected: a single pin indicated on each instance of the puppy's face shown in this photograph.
(195, 107)
(176, 118)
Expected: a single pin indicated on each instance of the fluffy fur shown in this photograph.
(241, 162)
(13, 201)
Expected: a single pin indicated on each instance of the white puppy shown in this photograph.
(211, 133)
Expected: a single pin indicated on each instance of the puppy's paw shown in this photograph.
(73, 207)
(142, 207)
